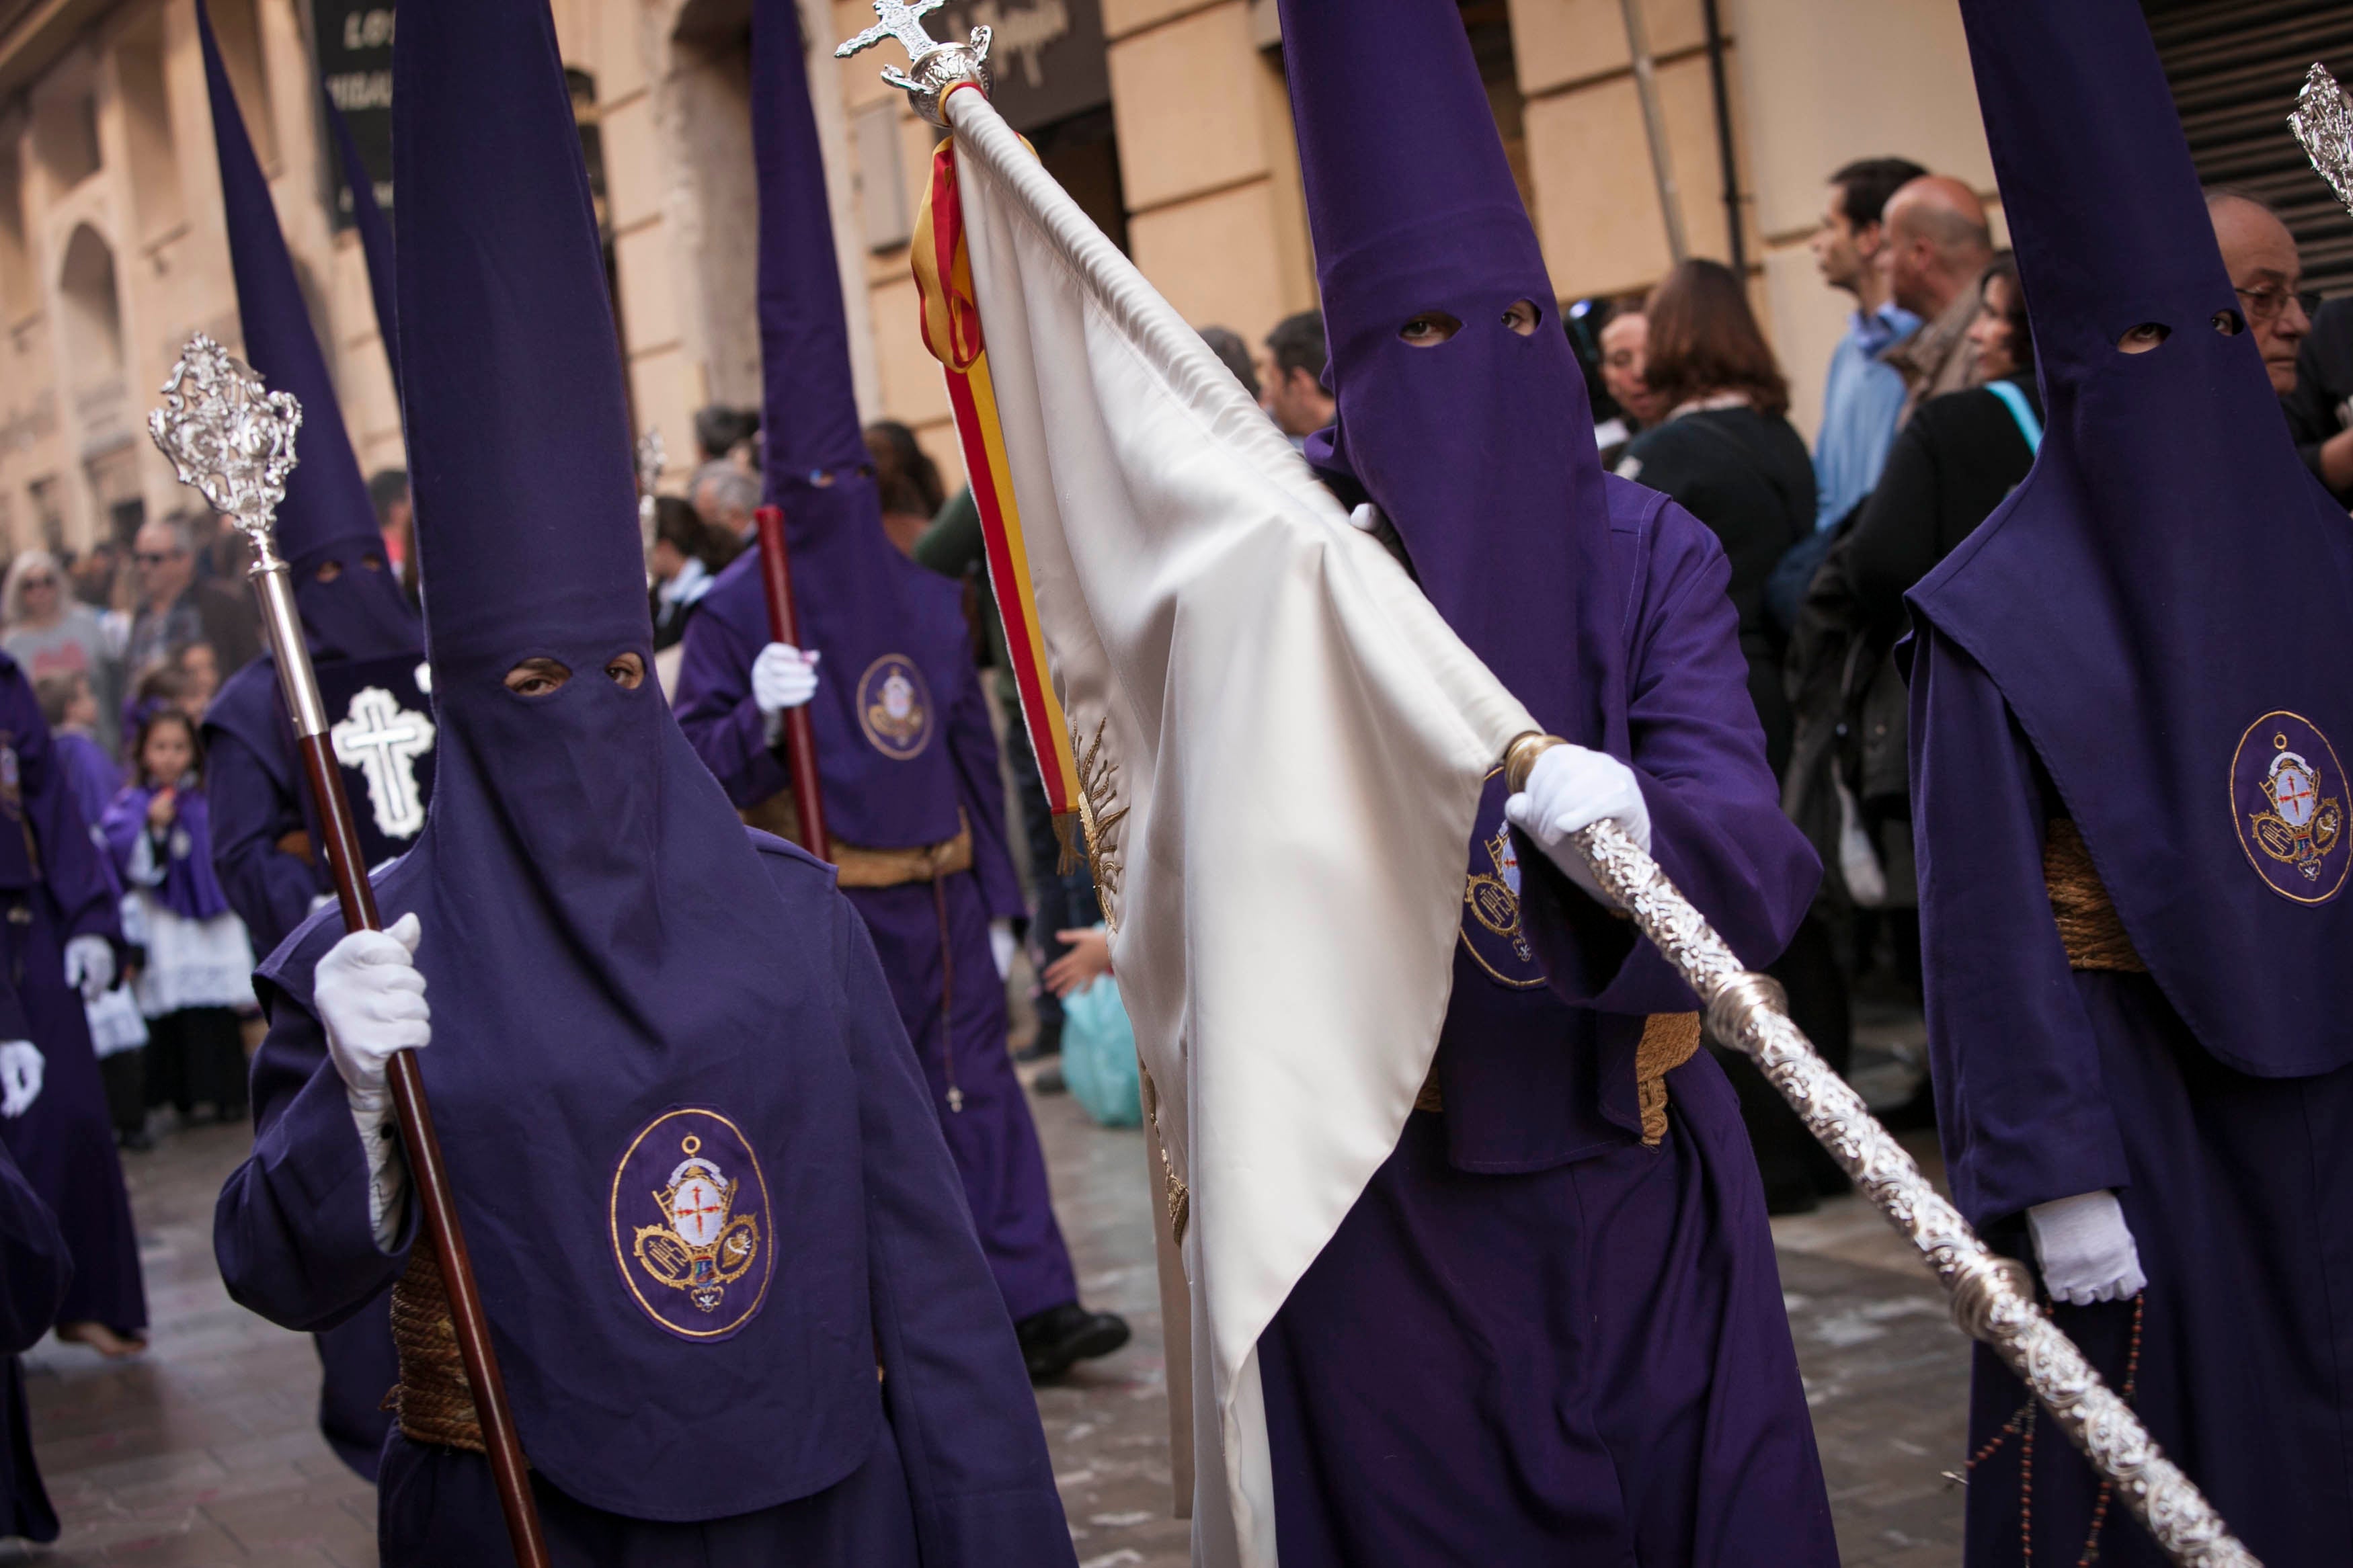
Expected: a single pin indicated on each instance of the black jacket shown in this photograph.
(1750, 480)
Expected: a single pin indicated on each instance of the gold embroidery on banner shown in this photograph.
(1100, 815)
(1176, 1194)
(1669, 1040)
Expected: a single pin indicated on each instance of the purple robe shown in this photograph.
(2051, 1082)
(94, 778)
(65, 1143)
(35, 1267)
(1579, 1350)
(710, 1219)
(189, 889)
(254, 787)
(956, 1471)
(877, 618)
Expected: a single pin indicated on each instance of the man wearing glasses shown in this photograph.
(2261, 256)
(176, 609)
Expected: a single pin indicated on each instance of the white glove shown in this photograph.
(1570, 789)
(21, 1067)
(371, 1002)
(783, 677)
(2086, 1249)
(90, 965)
(1001, 945)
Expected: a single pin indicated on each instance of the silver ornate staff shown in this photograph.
(2323, 121)
(1992, 1297)
(232, 439)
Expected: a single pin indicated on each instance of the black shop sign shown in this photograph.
(353, 41)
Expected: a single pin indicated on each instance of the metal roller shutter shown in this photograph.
(2236, 66)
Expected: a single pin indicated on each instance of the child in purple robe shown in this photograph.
(196, 977)
(117, 1031)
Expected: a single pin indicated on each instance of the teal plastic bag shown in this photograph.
(1099, 1054)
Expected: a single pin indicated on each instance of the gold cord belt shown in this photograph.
(2088, 925)
(854, 864)
(1669, 1040)
(434, 1401)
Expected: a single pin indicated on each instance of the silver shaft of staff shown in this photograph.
(1991, 1297)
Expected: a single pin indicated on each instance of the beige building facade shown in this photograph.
(1166, 118)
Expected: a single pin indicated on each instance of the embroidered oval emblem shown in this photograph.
(2287, 796)
(690, 1225)
(895, 707)
(1491, 928)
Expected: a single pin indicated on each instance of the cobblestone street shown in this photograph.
(202, 1453)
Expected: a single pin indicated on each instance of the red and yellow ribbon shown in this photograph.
(952, 331)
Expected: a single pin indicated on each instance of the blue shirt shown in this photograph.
(1860, 407)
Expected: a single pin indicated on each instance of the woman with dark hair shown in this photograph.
(909, 481)
(1957, 458)
(1726, 451)
(687, 555)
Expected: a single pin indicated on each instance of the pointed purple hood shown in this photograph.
(1479, 449)
(326, 520)
(892, 634)
(626, 993)
(2161, 601)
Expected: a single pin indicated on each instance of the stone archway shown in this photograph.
(92, 310)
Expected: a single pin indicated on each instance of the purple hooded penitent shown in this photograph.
(1479, 449)
(2143, 640)
(904, 750)
(893, 635)
(1581, 1352)
(326, 516)
(2154, 600)
(704, 1198)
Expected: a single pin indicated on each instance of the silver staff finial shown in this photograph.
(2324, 123)
(231, 438)
(937, 65)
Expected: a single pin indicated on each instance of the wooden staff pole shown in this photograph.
(800, 735)
(234, 441)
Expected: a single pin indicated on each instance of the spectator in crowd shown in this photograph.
(1725, 449)
(2320, 409)
(396, 518)
(52, 633)
(199, 667)
(908, 481)
(1291, 383)
(94, 575)
(1955, 459)
(2259, 255)
(2308, 347)
(1625, 347)
(1862, 396)
(728, 434)
(196, 977)
(176, 609)
(1938, 246)
(687, 555)
(1235, 355)
(725, 495)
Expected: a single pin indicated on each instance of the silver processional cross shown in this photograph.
(937, 65)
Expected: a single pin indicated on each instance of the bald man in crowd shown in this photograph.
(1936, 251)
(2261, 256)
